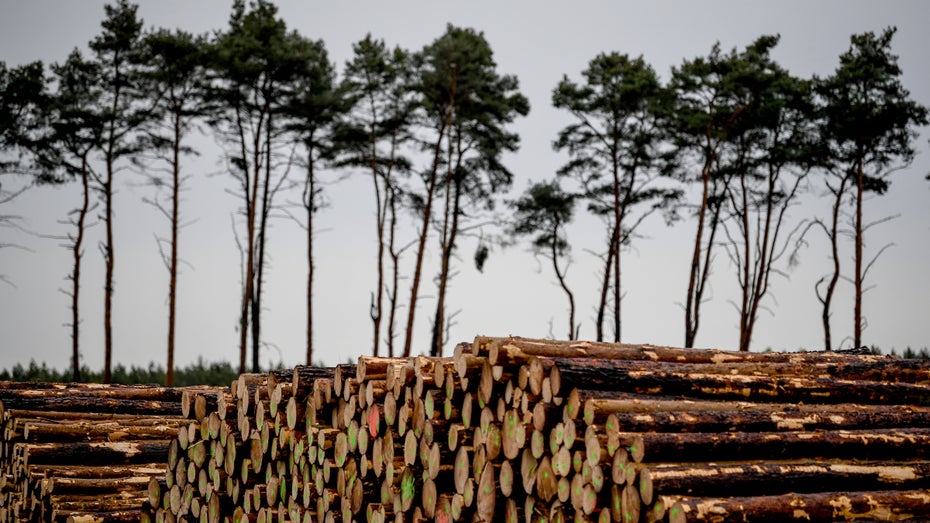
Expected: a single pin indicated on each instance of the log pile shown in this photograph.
(85, 452)
(520, 430)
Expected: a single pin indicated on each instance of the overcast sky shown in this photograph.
(539, 42)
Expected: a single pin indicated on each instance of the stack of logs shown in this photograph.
(522, 430)
(83, 452)
(508, 429)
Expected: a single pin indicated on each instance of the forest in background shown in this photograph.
(430, 129)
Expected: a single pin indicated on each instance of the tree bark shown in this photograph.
(823, 506)
(77, 254)
(776, 478)
(421, 242)
(878, 444)
(857, 308)
(173, 266)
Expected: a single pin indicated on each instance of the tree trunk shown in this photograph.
(173, 267)
(108, 282)
(450, 233)
(561, 277)
(77, 252)
(695, 287)
(833, 233)
(380, 215)
(857, 309)
(395, 274)
(309, 204)
(251, 193)
(605, 286)
(262, 237)
(421, 242)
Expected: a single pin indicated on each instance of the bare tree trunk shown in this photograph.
(605, 286)
(380, 217)
(447, 243)
(173, 266)
(447, 248)
(421, 242)
(615, 245)
(693, 300)
(110, 264)
(76, 275)
(561, 276)
(251, 192)
(857, 309)
(395, 273)
(746, 284)
(833, 232)
(309, 199)
(262, 238)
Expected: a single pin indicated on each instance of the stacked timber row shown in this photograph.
(86, 452)
(724, 436)
(248, 455)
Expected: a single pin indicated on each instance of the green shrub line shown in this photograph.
(199, 373)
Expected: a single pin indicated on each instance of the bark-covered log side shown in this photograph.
(889, 444)
(599, 374)
(751, 420)
(103, 453)
(822, 506)
(506, 348)
(94, 404)
(774, 478)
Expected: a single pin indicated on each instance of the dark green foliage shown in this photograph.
(23, 99)
(869, 126)
(617, 156)
(542, 213)
(199, 373)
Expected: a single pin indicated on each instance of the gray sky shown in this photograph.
(539, 42)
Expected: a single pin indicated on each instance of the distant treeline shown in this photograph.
(199, 373)
(218, 373)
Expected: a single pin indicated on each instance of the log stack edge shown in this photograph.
(508, 429)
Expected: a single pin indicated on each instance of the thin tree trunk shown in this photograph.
(251, 191)
(309, 197)
(421, 243)
(561, 276)
(617, 293)
(747, 263)
(76, 275)
(615, 245)
(110, 264)
(395, 273)
(448, 247)
(605, 286)
(380, 214)
(857, 309)
(835, 251)
(447, 242)
(260, 268)
(173, 279)
(693, 303)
